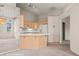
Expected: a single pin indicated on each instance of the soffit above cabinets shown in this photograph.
(43, 8)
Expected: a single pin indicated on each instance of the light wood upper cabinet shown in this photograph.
(22, 42)
(35, 25)
(21, 22)
(30, 23)
(43, 21)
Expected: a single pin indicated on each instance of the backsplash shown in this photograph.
(41, 29)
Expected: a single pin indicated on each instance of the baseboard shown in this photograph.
(74, 53)
(53, 43)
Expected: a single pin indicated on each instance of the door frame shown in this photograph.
(61, 21)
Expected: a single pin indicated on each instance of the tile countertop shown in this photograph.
(33, 34)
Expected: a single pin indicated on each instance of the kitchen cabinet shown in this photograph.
(33, 42)
(29, 42)
(26, 42)
(35, 25)
(22, 42)
(24, 23)
(43, 21)
(31, 24)
(21, 22)
(42, 41)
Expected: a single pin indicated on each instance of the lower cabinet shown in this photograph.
(43, 41)
(30, 42)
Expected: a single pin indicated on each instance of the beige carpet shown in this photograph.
(51, 50)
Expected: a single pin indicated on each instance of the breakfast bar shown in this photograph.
(33, 41)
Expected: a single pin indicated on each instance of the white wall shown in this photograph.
(74, 29)
(9, 11)
(53, 28)
(73, 12)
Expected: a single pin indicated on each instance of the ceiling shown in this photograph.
(43, 8)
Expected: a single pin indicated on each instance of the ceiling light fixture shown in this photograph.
(31, 5)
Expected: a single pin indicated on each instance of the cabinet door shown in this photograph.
(26, 42)
(21, 21)
(43, 41)
(32, 25)
(43, 21)
(36, 25)
(29, 42)
(22, 42)
(36, 41)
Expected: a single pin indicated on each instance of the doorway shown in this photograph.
(66, 30)
(63, 31)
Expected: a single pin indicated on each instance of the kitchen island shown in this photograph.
(33, 41)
